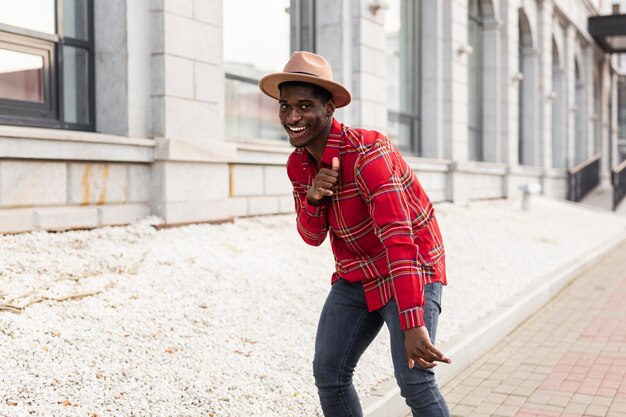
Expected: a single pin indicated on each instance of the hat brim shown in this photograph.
(269, 85)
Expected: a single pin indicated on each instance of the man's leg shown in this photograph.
(344, 331)
(417, 385)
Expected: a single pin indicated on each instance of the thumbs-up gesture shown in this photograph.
(324, 184)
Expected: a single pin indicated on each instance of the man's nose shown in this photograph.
(294, 115)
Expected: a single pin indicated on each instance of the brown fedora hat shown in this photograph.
(309, 68)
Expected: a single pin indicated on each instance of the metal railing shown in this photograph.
(583, 178)
(618, 179)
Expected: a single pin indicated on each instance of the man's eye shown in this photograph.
(283, 106)
(305, 106)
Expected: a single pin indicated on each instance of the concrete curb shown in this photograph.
(469, 345)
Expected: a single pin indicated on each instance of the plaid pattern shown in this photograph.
(383, 230)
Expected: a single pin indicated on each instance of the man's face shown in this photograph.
(303, 115)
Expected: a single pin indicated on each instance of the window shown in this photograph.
(403, 73)
(475, 80)
(257, 43)
(621, 117)
(46, 63)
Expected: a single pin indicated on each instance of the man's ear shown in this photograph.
(330, 108)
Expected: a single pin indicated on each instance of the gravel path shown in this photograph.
(220, 320)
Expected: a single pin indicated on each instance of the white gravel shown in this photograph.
(220, 320)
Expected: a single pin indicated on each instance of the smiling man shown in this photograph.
(354, 186)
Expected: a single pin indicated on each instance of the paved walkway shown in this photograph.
(567, 360)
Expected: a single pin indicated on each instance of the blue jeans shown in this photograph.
(346, 329)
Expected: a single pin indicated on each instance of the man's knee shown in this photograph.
(425, 399)
(329, 373)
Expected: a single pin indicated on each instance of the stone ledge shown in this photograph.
(7, 131)
(61, 218)
(120, 214)
(74, 147)
(65, 218)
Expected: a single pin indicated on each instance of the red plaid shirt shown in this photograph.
(383, 229)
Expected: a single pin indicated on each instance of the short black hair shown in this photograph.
(319, 92)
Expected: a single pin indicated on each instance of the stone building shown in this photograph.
(114, 110)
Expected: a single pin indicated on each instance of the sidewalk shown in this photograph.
(567, 360)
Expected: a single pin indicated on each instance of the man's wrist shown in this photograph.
(412, 328)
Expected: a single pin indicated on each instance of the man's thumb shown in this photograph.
(335, 164)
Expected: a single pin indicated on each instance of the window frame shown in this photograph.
(412, 119)
(295, 44)
(475, 125)
(51, 113)
(23, 112)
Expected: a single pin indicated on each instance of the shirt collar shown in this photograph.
(332, 146)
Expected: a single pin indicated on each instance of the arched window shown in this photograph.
(597, 108)
(475, 80)
(621, 118)
(579, 133)
(559, 147)
(528, 134)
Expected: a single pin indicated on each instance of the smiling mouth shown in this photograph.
(296, 129)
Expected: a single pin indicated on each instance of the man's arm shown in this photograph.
(379, 178)
(310, 205)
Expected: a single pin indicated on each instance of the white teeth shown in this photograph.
(297, 129)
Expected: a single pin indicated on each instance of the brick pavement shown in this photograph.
(569, 359)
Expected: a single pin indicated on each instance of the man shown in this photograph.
(353, 185)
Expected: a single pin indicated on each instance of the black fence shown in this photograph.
(583, 178)
(618, 179)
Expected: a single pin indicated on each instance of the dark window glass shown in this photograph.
(21, 76)
(302, 19)
(621, 118)
(75, 19)
(75, 85)
(475, 81)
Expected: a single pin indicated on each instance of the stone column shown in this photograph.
(510, 98)
(122, 42)
(545, 87)
(456, 98)
(333, 26)
(352, 37)
(191, 174)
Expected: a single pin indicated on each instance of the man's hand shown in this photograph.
(420, 350)
(324, 184)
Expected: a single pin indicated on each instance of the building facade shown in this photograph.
(114, 110)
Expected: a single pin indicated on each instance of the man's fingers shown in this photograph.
(437, 355)
(411, 363)
(431, 353)
(335, 164)
(425, 365)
